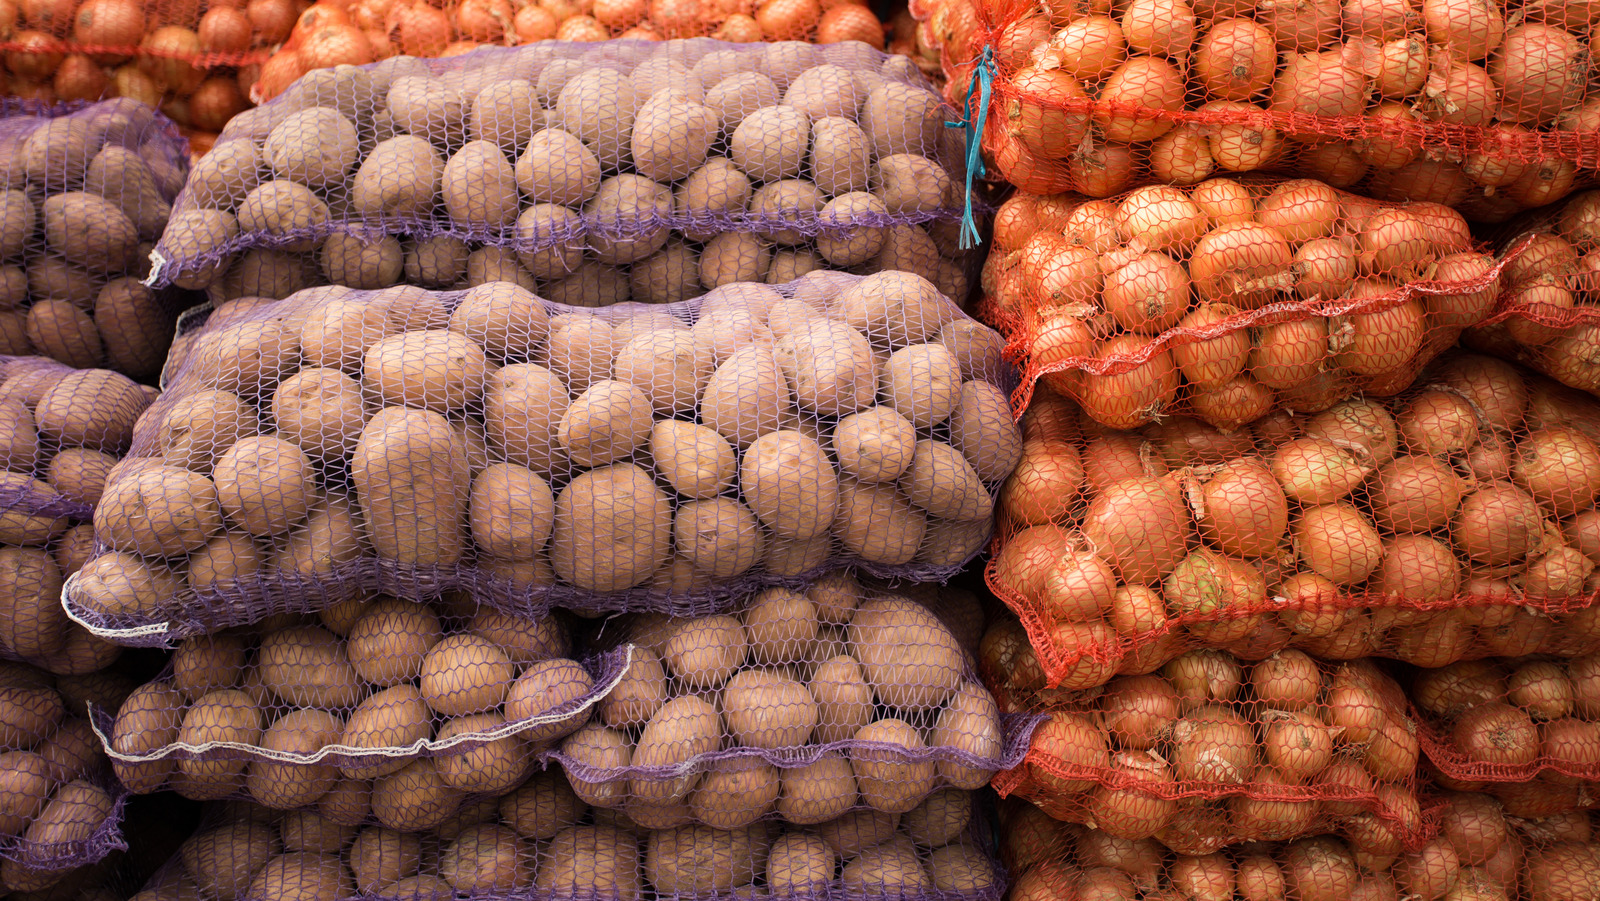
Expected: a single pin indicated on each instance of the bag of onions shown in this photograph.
(1456, 521)
(1527, 723)
(1230, 299)
(1480, 853)
(1458, 103)
(1550, 318)
(1211, 751)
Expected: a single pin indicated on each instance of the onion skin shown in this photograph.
(1245, 512)
(1497, 734)
(1140, 526)
(1497, 524)
(1213, 744)
(1072, 743)
(1138, 710)
(1138, 811)
(1338, 543)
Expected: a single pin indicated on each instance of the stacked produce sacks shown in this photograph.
(482, 576)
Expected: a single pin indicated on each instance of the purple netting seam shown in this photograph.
(51, 856)
(35, 503)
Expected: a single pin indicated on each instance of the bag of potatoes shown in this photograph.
(85, 191)
(803, 707)
(592, 173)
(632, 457)
(376, 697)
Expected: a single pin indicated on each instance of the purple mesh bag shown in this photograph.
(62, 431)
(85, 191)
(542, 843)
(61, 808)
(591, 173)
(310, 451)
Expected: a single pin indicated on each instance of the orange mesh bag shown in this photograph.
(544, 843)
(1212, 751)
(1479, 851)
(1229, 300)
(1456, 521)
(1483, 105)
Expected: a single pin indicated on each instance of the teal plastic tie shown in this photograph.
(982, 83)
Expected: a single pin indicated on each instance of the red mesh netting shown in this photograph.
(1483, 104)
(1480, 851)
(1228, 300)
(1456, 521)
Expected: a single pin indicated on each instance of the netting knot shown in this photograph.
(972, 124)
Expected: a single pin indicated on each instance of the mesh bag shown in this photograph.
(376, 695)
(86, 190)
(1456, 521)
(343, 442)
(1226, 301)
(1487, 107)
(62, 431)
(801, 706)
(543, 842)
(592, 173)
(1217, 751)
(334, 33)
(60, 808)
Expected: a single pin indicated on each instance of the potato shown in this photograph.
(224, 859)
(603, 749)
(626, 219)
(888, 867)
(13, 288)
(307, 666)
(70, 820)
(672, 136)
(338, 330)
(381, 857)
(830, 366)
(671, 275)
(333, 535)
(746, 397)
(607, 423)
(766, 710)
(218, 181)
(247, 358)
(436, 262)
(682, 730)
(781, 625)
(349, 803)
(485, 859)
(18, 220)
(852, 243)
(504, 319)
(414, 798)
(705, 652)
(285, 210)
(362, 261)
(265, 485)
(557, 168)
(286, 786)
(598, 106)
(301, 876)
(825, 90)
(639, 694)
(858, 830)
(159, 512)
(908, 183)
(314, 147)
(321, 410)
(28, 714)
(714, 192)
(524, 639)
(35, 626)
(505, 113)
(19, 438)
(93, 408)
(465, 674)
(789, 265)
(422, 525)
(200, 427)
(550, 691)
(581, 350)
(770, 143)
(261, 272)
(119, 585)
(643, 817)
(230, 716)
(399, 177)
(877, 524)
(720, 536)
(542, 806)
(942, 482)
(922, 382)
(419, 887)
(799, 864)
(792, 200)
(89, 232)
(613, 528)
(590, 861)
(208, 663)
(63, 332)
(902, 118)
(426, 107)
(895, 309)
(736, 793)
(590, 285)
(436, 370)
(972, 723)
(50, 277)
(982, 429)
(387, 644)
(493, 767)
(667, 366)
(25, 784)
(308, 830)
(734, 257)
(396, 717)
(479, 188)
(511, 512)
(133, 327)
(702, 860)
(875, 445)
(522, 407)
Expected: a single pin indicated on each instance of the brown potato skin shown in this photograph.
(423, 527)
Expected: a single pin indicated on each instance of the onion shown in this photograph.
(271, 20)
(1382, 152)
(1506, 862)
(1182, 156)
(1259, 878)
(1540, 71)
(1474, 826)
(34, 55)
(1497, 734)
(1141, 526)
(1542, 297)
(1014, 44)
(1566, 826)
(1315, 470)
(1136, 610)
(1243, 264)
(1461, 310)
(1161, 218)
(109, 23)
(1141, 859)
(1319, 84)
(1067, 753)
(1546, 181)
(1140, 83)
(1573, 745)
(1031, 836)
(1213, 744)
(1334, 162)
(1100, 169)
(1093, 224)
(1311, 605)
(1559, 574)
(1138, 710)
(1241, 146)
(1537, 799)
(1438, 422)
(780, 20)
(1243, 510)
(1114, 458)
(1135, 395)
(1198, 830)
(129, 82)
(337, 45)
(1459, 93)
(1236, 59)
(1184, 441)
(1039, 565)
(1295, 743)
(166, 56)
(1498, 524)
(78, 78)
(534, 23)
(1159, 27)
(1562, 872)
(1288, 680)
(1300, 210)
(214, 102)
(1047, 112)
(1137, 811)
(1402, 68)
(1042, 882)
(1414, 494)
(1428, 872)
(1044, 487)
(1147, 295)
(51, 16)
(1093, 649)
(1363, 424)
(1289, 353)
(1209, 877)
(1583, 533)
(1560, 468)
(1203, 675)
(1496, 389)
(1060, 274)
(1319, 869)
(1103, 885)
(1088, 48)
(1208, 362)
(1525, 631)
(1064, 341)
(1468, 28)
(419, 29)
(1205, 584)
